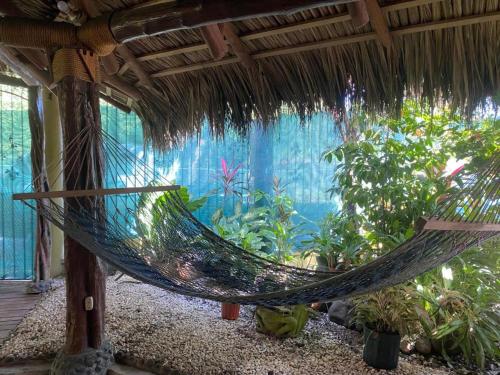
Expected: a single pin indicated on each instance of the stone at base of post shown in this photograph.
(90, 361)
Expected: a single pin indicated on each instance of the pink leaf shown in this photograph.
(224, 166)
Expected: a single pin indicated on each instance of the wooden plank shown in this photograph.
(357, 38)
(435, 224)
(94, 192)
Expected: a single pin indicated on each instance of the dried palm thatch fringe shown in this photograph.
(459, 65)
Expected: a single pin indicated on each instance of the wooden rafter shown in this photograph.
(12, 81)
(309, 24)
(358, 38)
(127, 55)
(110, 100)
(28, 73)
(36, 57)
(120, 85)
(239, 48)
(378, 22)
(215, 41)
(160, 17)
(358, 13)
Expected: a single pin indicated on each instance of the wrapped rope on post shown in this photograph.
(94, 35)
(97, 37)
(80, 64)
(28, 33)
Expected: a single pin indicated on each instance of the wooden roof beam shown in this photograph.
(12, 81)
(128, 56)
(379, 22)
(318, 22)
(358, 13)
(357, 38)
(239, 48)
(215, 41)
(122, 86)
(161, 17)
(28, 73)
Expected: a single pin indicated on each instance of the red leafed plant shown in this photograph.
(228, 177)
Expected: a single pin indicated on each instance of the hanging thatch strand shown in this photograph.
(311, 60)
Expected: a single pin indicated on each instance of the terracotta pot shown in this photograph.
(230, 311)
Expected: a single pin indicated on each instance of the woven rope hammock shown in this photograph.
(164, 245)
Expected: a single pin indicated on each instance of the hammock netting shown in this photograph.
(153, 237)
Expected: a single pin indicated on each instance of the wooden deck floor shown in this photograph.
(15, 303)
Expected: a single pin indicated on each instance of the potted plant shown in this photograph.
(338, 244)
(385, 315)
(230, 311)
(281, 321)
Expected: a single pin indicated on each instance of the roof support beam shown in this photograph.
(29, 73)
(358, 13)
(157, 18)
(12, 81)
(438, 25)
(215, 41)
(379, 22)
(239, 49)
(319, 22)
(122, 86)
(127, 55)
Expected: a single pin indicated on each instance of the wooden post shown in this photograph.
(53, 161)
(79, 113)
(42, 240)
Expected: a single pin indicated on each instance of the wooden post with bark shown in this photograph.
(43, 241)
(85, 276)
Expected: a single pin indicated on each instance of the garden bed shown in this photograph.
(154, 329)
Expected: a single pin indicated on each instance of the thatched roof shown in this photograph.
(308, 61)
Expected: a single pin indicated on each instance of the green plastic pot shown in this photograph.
(381, 349)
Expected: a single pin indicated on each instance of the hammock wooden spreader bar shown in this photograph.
(93, 192)
(435, 224)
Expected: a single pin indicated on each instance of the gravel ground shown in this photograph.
(158, 329)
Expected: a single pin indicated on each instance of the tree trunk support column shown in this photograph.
(53, 151)
(86, 350)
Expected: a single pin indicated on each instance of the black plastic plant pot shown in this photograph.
(381, 349)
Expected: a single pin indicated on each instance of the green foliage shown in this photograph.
(388, 310)
(392, 174)
(268, 228)
(152, 208)
(459, 309)
(281, 321)
(338, 243)
(247, 230)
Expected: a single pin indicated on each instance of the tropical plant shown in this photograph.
(227, 176)
(459, 309)
(281, 321)
(153, 207)
(338, 243)
(269, 227)
(247, 230)
(390, 310)
(395, 171)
